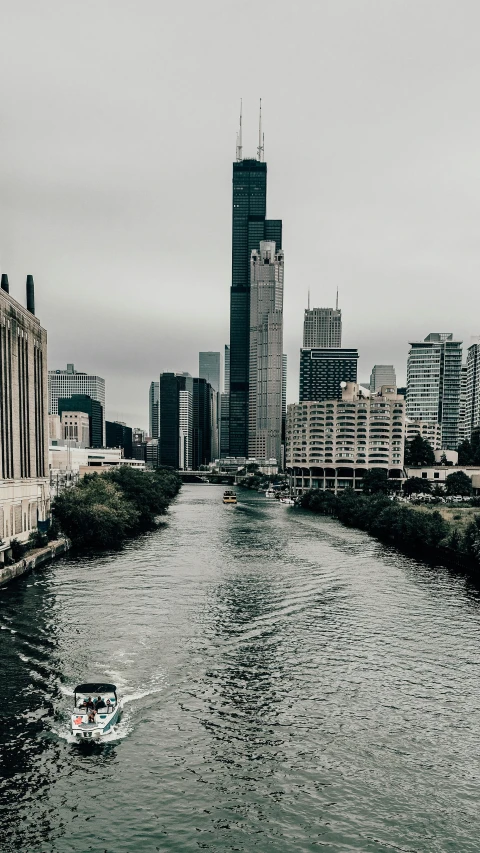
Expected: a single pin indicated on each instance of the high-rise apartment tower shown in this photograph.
(433, 384)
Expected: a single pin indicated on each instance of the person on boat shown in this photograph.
(109, 706)
(91, 717)
(99, 703)
(89, 704)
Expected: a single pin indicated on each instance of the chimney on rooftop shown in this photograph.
(30, 295)
(5, 285)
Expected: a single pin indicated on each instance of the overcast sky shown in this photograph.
(117, 135)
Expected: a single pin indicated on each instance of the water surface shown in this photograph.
(290, 685)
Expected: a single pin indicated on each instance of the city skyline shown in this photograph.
(377, 190)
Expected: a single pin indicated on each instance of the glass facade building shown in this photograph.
(154, 410)
(433, 384)
(323, 370)
(209, 368)
(249, 227)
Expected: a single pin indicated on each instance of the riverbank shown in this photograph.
(104, 510)
(427, 534)
(34, 559)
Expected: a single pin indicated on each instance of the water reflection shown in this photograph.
(29, 678)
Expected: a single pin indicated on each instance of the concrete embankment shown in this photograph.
(34, 559)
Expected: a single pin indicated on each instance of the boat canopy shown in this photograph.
(96, 687)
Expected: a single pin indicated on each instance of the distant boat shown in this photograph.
(229, 497)
(270, 493)
(287, 501)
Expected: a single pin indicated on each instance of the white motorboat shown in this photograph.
(287, 501)
(270, 493)
(96, 710)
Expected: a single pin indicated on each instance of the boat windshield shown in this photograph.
(95, 702)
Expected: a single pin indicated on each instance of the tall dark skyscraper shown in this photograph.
(322, 371)
(249, 227)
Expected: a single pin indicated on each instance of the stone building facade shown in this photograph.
(24, 489)
(331, 444)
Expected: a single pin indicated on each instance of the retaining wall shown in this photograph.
(34, 559)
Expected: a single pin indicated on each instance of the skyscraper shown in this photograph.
(226, 370)
(171, 384)
(433, 384)
(202, 423)
(185, 421)
(154, 410)
(209, 368)
(64, 383)
(249, 227)
(462, 409)
(266, 353)
(382, 374)
(323, 370)
(472, 408)
(322, 327)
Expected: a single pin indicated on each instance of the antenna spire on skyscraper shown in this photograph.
(261, 138)
(336, 305)
(239, 137)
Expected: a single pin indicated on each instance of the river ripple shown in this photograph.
(290, 684)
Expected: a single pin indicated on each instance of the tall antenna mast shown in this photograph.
(239, 137)
(336, 306)
(261, 139)
(308, 301)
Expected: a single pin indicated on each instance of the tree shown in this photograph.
(375, 481)
(419, 452)
(416, 486)
(458, 483)
(469, 450)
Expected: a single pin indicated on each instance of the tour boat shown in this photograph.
(270, 493)
(93, 723)
(229, 497)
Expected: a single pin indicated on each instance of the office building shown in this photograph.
(433, 384)
(472, 403)
(84, 403)
(224, 428)
(120, 435)
(154, 410)
(266, 353)
(322, 328)
(202, 423)
(382, 374)
(226, 370)
(284, 394)
(323, 370)
(185, 420)
(172, 444)
(249, 227)
(66, 383)
(224, 409)
(152, 451)
(331, 444)
(24, 486)
(209, 368)
(75, 427)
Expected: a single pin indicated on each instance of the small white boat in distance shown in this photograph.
(96, 710)
(287, 501)
(270, 493)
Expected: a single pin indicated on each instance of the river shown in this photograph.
(290, 685)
